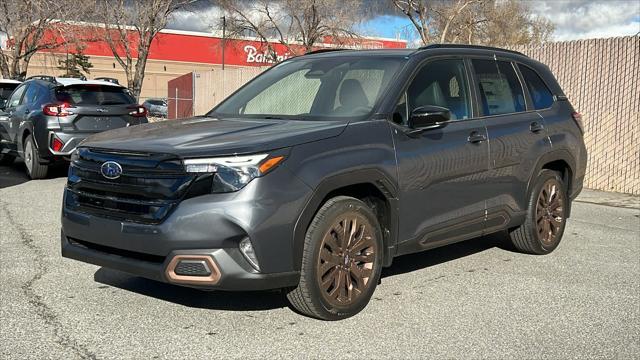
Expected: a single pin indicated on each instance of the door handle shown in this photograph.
(476, 137)
(536, 127)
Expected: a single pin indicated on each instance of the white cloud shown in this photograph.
(585, 19)
(205, 19)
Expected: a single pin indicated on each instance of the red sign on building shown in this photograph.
(197, 47)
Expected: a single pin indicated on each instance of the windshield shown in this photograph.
(314, 88)
(94, 95)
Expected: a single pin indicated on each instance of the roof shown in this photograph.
(9, 81)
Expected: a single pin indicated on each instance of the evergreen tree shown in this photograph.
(75, 65)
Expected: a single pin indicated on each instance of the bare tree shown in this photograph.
(307, 22)
(486, 22)
(511, 23)
(26, 23)
(419, 13)
(129, 28)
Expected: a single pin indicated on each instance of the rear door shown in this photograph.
(96, 108)
(517, 137)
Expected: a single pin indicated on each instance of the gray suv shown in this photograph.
(315, 175)
(45, 118)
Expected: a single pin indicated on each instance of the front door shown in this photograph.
(11, 121)
(442, 172)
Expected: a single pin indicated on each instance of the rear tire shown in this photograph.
(341, 261)
(546, 216)
(35, 170)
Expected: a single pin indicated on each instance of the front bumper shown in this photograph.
(234, 273)
(208, 225)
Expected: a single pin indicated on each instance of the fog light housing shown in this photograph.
(247, 251)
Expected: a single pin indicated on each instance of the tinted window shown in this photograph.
(540, 93)
(440, 83)
(6, 90)
(14, 100)
(500, 89)
(94, 95)
(35, 96)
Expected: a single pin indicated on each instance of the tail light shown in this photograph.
(578, 119)
(137, 111)
(56, 144)
(57, 109)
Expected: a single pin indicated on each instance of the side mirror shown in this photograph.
(3, 104)
(428, 117)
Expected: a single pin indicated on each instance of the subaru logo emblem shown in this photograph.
(111, 170)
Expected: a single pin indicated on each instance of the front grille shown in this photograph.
(149, 188)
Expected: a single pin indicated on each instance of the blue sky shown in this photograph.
(387, 26)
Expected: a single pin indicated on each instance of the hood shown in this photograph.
(209, 136)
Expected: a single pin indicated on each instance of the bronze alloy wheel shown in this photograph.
(550, 212)
(346, 260)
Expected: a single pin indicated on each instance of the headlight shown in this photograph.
(234, 172)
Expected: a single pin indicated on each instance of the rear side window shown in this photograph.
(94, 95)
(500, 89)
(35, 96)
(540, 93)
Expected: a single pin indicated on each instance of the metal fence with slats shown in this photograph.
(600, 76)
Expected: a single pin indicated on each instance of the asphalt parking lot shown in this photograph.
(476, 299)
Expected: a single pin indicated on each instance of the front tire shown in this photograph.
(341, 261)
(35, 170)
(546, 216)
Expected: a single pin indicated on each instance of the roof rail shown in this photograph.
(70, 76)
(466, 46)
(42, 77)
(319, 51)
(108, 79)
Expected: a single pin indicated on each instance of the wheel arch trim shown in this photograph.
(330, 184)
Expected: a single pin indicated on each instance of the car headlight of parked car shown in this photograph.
(232, 173)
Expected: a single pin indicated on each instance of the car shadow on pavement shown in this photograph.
(417, 261)
(268, 300)
(16, 174)
(213, 300)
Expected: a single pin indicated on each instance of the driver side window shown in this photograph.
(441, 83)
